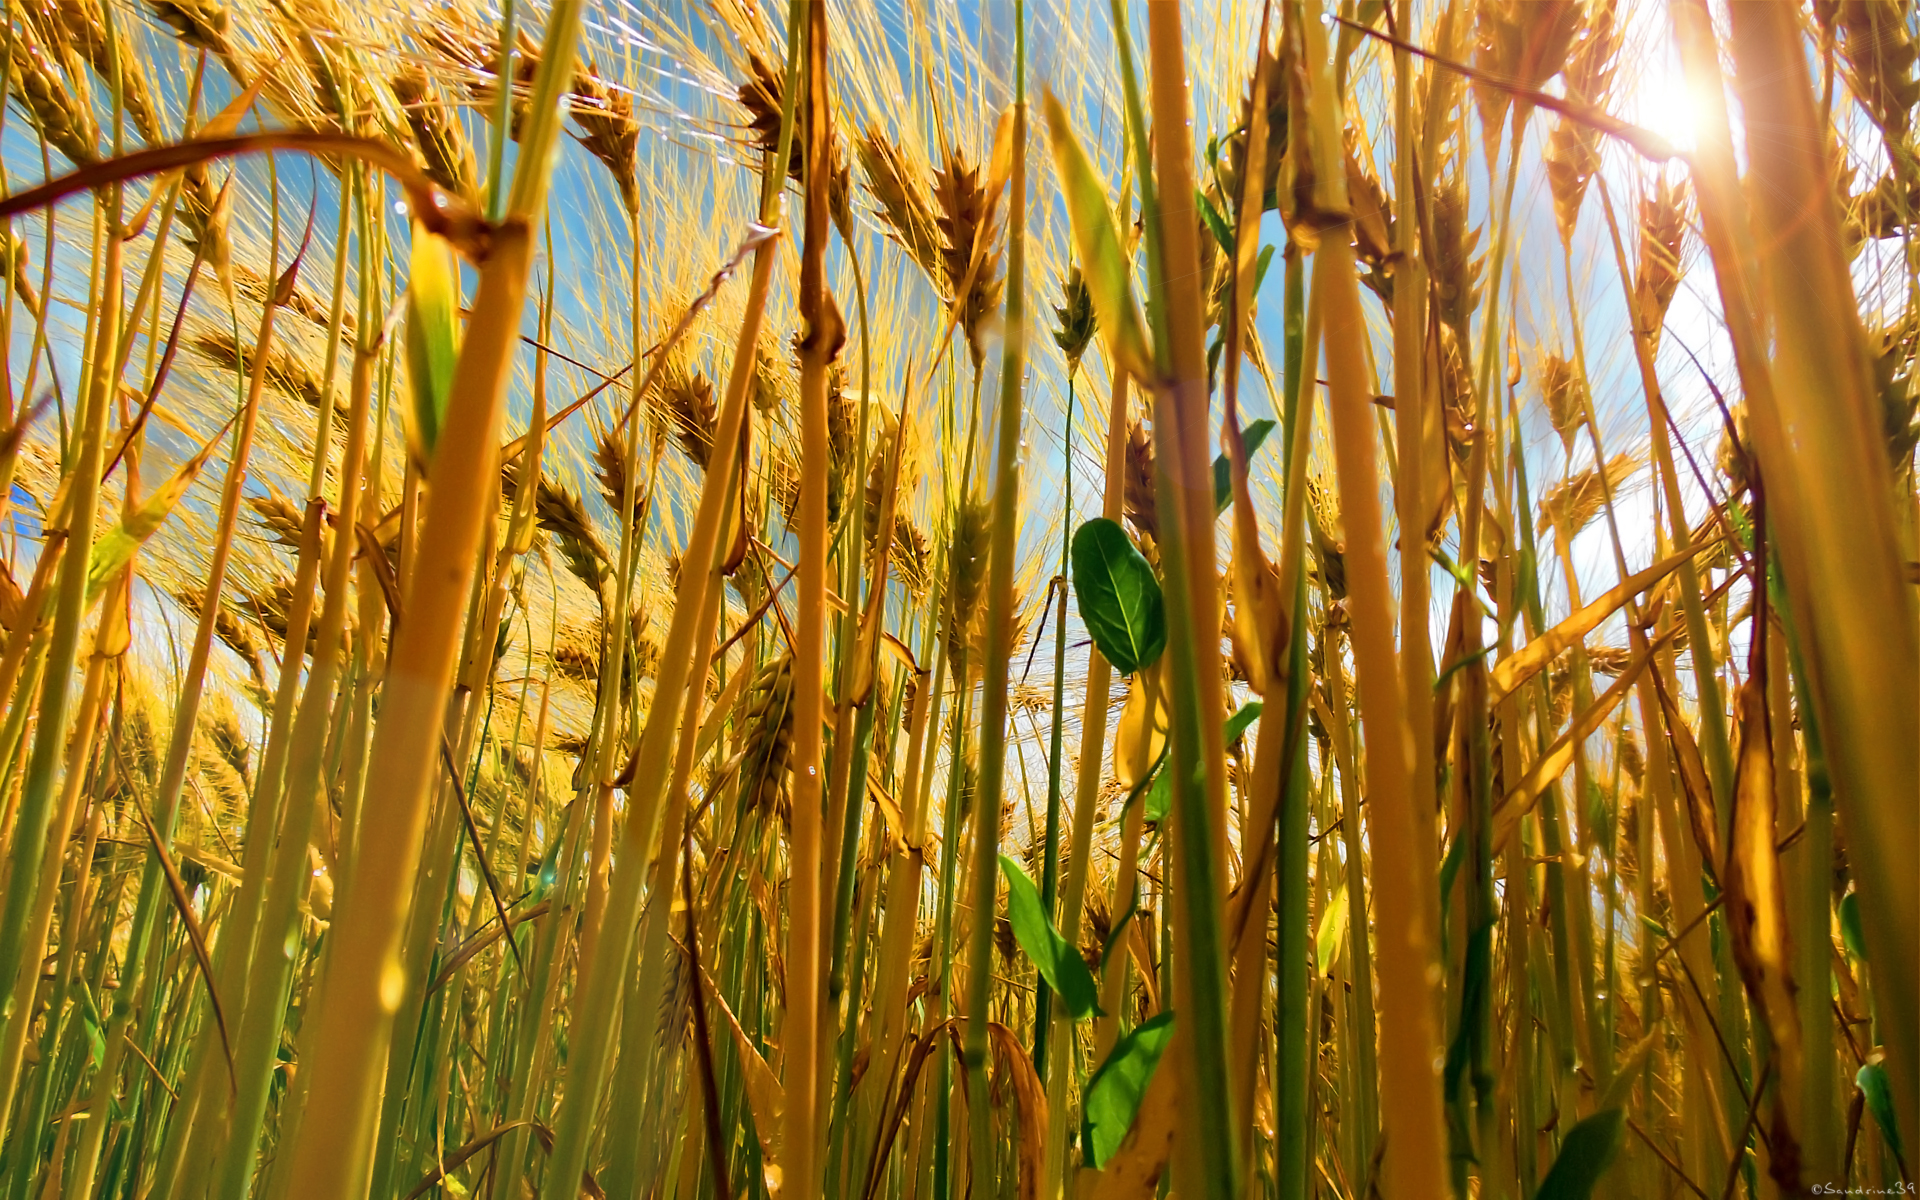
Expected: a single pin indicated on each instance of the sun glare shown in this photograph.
(1668, 105)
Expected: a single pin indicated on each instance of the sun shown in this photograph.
(1665, 102)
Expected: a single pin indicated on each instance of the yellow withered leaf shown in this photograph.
(893, 819)
(115, 549)
(1015, 1065)
(1554, 763)
(1000, 161)
(1142, 731)
(1520, 666)
(1097, 243)
(226, 122)
(1692, 772)
(765, 1096)
(1332, 934)
(1259, 619)
(1756, 892)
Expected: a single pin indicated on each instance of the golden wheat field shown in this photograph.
(959, 599)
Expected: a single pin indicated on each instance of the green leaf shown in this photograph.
(1059, 962)
(1628, 1069)
(1333, 930)
(1102, 260)
(1160, 787)
(1216, 224)
(1253, 435)
(1159, 796)
(1260, 267)
(95, 1026)
(433, 336)
(1873, 1084)
(1240, 722)
(1119, 597)
(1116, 1089)
(1449, 867)
(1850, 931)
(1584, 1156)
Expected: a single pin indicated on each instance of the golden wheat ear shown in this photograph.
(448, 824)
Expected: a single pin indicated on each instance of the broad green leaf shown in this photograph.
(1253, 435)
(1584, 1156)
(1333, 930)
(1119, 597)
(1116, 1089)
(1873, 1084)
(1097, 241)
(1058, 962)
(433, 335)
